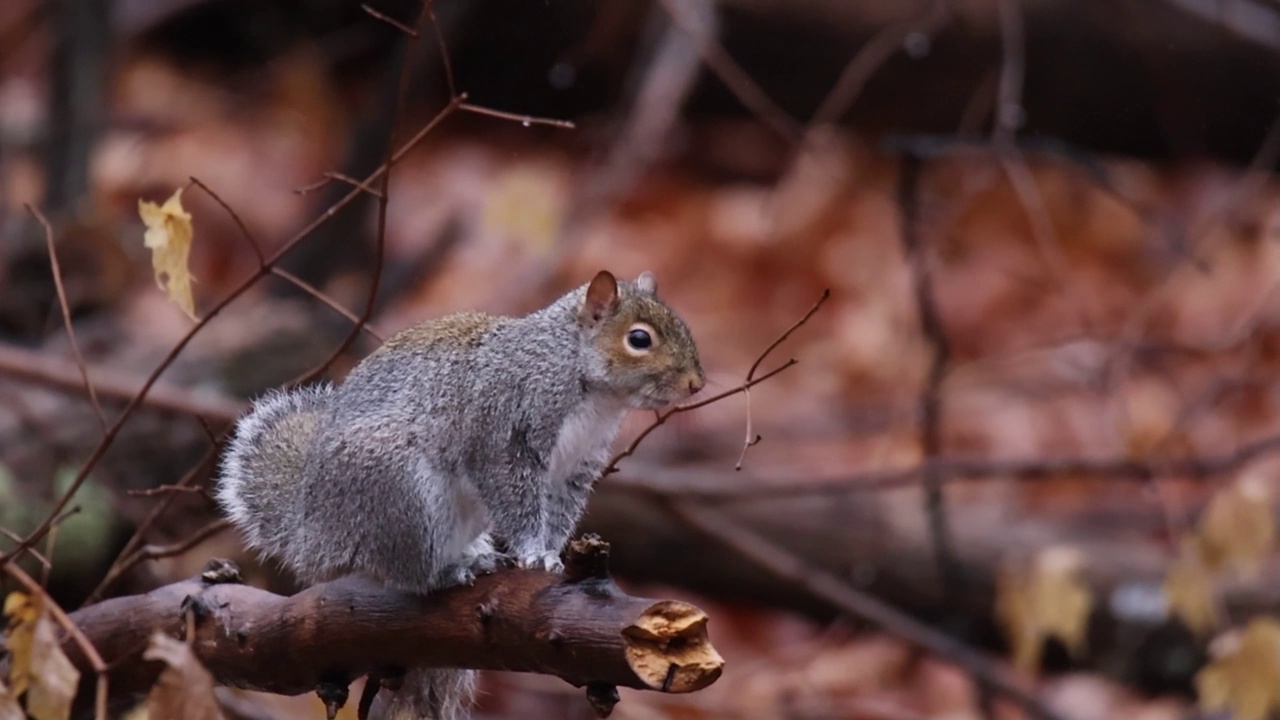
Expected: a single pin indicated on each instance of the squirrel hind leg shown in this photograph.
(362, 487)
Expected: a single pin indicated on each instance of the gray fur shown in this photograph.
(462, 444)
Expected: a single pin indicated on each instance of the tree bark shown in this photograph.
(579, 627)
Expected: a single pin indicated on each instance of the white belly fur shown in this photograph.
(588, 430)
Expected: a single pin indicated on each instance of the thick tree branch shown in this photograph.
(579, 627)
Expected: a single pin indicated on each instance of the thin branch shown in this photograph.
(821, 584)
(280, 272)
(751, 374)
(163, 489)
(334, 175)
(747, 90)
(1010, 116)
(390, 21)
(872, 56)
(36, 554)
(661, 417)
(752, 381)
(444, 49)
(207, 430)
(235, 218)
(525, 120)
(66, 314)
(135, 540)
(114, 429)
(383, 197)
(931, 395)
(155, 552)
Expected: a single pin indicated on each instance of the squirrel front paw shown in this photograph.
(466, 571)
(545, 561)
(489, 562)
(455, 574)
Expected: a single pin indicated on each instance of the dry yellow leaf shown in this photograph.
(1244, 672)
(169, 233)
(1237, 530)
(184, 691)
(1189, 590)
(21, 612)
(1048, 599)
(39, 665)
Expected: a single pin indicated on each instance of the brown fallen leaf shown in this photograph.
(1237, 530)
(184, 691)
(39, 665)
(169, 233)
(1047, 599)
(1189, 590)
(1243, 674)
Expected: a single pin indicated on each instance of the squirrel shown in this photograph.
(461, 445)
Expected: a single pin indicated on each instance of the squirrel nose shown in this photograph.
(696, 383)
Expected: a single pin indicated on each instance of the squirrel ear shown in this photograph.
(601, 300)
(647, 283)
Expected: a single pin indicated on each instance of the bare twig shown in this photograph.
(444, 49)
(751, 374)
(334, 175)
(380, 240)
(114, 429)
(872, 56)
(66, 314)
(280, 272)
(135, 540)
(329, 302)
(50, 542)
(662, 416)
(831, 589)
(753, 438)
(1009, 118)
(120, 568)
(36, 554)
(163, 489)
(525, 120)
(931, 396)
(748, 91)
(235, 218)
(390, 21)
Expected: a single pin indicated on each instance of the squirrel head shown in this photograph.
(638, 347)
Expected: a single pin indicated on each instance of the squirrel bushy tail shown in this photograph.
(258, 488)
(262, 468)
(436, 693)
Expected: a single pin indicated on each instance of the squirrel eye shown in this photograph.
(639, 339)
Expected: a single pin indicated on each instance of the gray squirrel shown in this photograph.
(463, 444)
